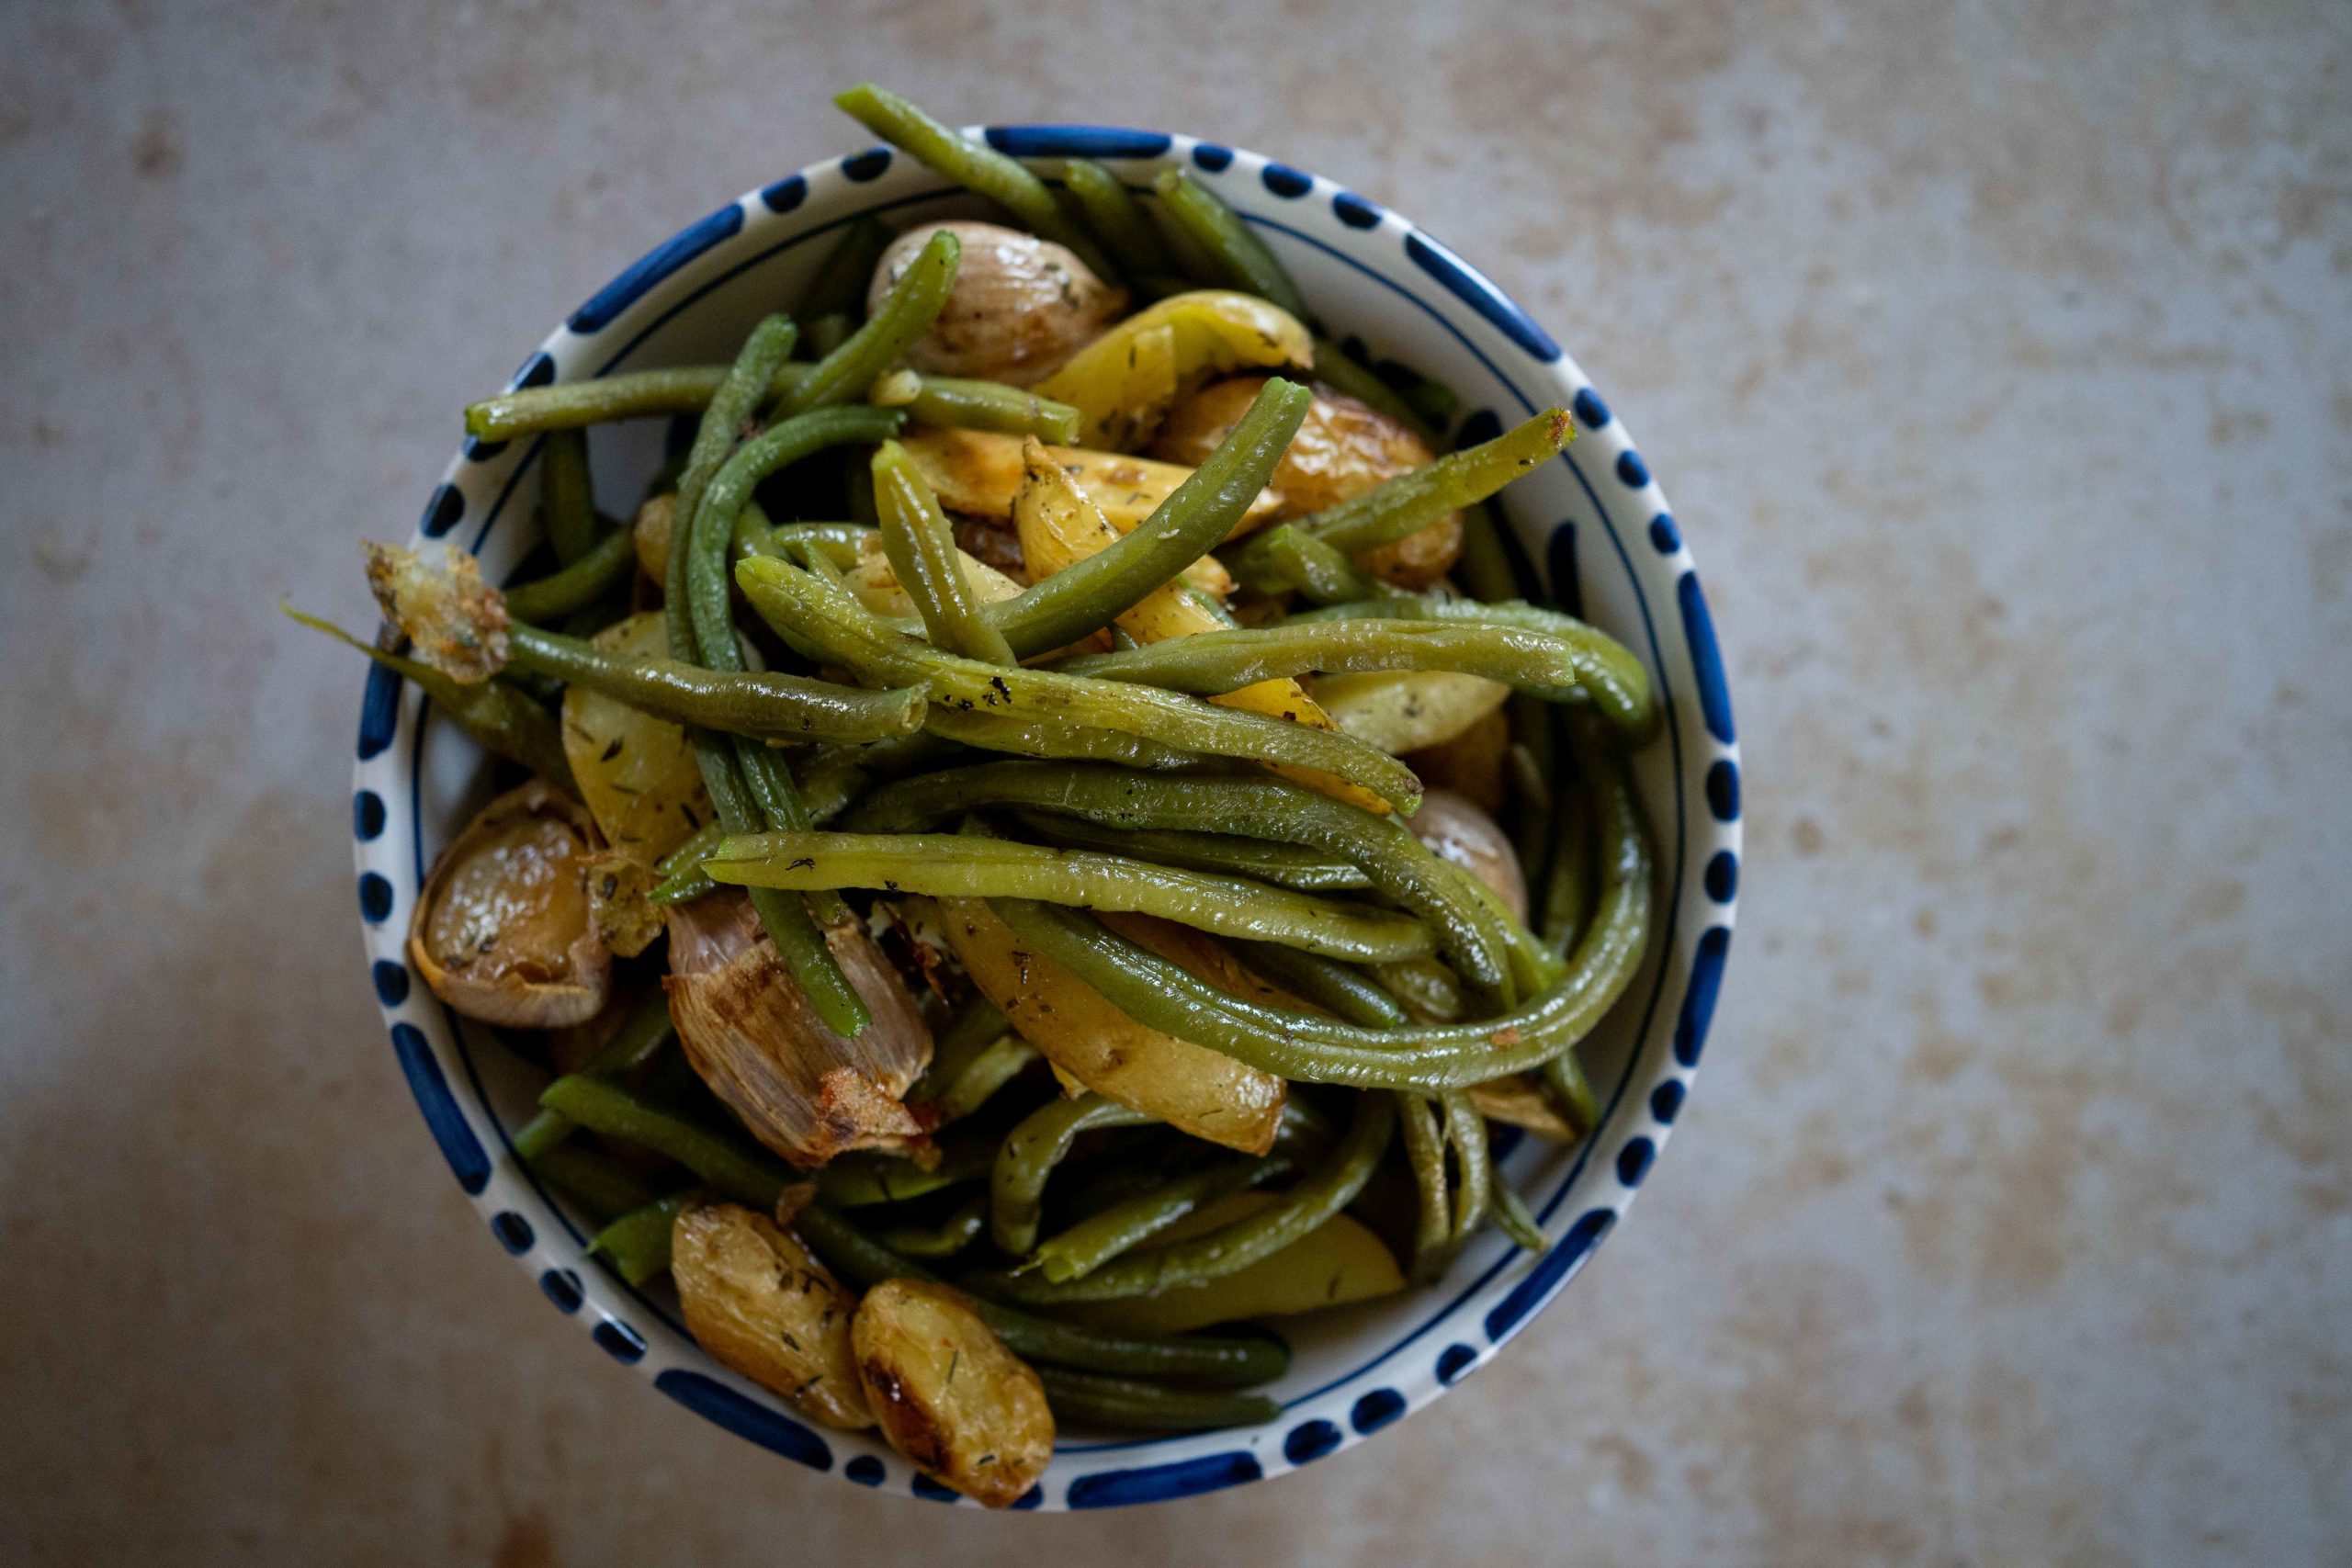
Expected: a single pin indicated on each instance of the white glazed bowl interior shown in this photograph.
(1593, 525)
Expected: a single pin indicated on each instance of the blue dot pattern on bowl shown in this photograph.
(786, 194)
(1468, 285)
(866, 1469)
(925, 1487)
(380, 711)
(1212, 157)
(1665, 1101)
(443, 510)
(1354, 210)
(1591, 411)
(1375, 1410)
(1159, 1482)
(641, 277)
(1076, 141)
(747, 1419)
(439, 1109)
(1455, 1360)
(1287, 182)
(375, 898)
(1549, 1273)
(1723, 876)
(537, 371)
(1706, 659)
(1631, 472)
(1032, 1499)
(1633, 1160)
(1665, 537)
(391, 982)
(866, 165)
(1723, 789)
(1309, 1440)
(561, 1286)
(477, 450)
(367, 816)
(513, 1231)
(621, 1342)
(1698, 1000)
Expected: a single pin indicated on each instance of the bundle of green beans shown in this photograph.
(1040, 754)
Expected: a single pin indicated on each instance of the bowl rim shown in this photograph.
(1098, 1473)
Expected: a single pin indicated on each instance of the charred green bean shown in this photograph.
(1027, 1157)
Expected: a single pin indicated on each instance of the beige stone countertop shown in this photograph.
(1998, 358)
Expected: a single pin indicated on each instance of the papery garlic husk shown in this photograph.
(1018, 307)
(749, 1032)
(503, 930)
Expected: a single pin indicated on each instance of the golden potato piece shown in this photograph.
(1124, 381)
(637, 773)
(966, 1411)
(503, 930)
(1475, 764)
(1405, 710)
(1519, 1099)
(977, 472)
(760, 1302)
(650, 534)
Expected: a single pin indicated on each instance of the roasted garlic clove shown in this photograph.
(761, 1303)
(456, 622)
(502, 930)
(1019, 307)
(1458, 832)
(746, 1025)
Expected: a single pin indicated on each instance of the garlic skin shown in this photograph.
(1018, 307)
(456, 622)
(503, 930)
(1458, 832)
(750, 1032)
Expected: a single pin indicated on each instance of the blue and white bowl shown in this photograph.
(1593, 525)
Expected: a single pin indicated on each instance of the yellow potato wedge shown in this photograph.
(979, 472)
(1475, 764)
(1338, 1261)
(1190, 1087)
(1408, 709)
(1178, 343)
(637, 773)
(877, 585)
(1520, 1101)
(964, 1410)
(761, 1303)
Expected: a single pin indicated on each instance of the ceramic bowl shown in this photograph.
(1593, 525)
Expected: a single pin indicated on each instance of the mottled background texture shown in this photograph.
(1998, 358)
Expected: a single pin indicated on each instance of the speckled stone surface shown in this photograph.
(2000, 361)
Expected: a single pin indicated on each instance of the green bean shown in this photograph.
(544, 1131)
(1467, 1131)
(1229, 1248)
(945, 1239)
(1296, 559)
(1398, 866)
(1028, 1157)
(1112, 1232)
(943, 865)
(640, 1034)
(1564, 1076)
(1427, 988)
(764, 705)
(1053, 739)
(1241, 260)
(1349, 377)
(1568, 892)
(1194, 518)
(639, 1242)
(974, 165)
(920, 545)
(682, 879)
(1607, 669)
(1111, 211)
(590, 576)
(1425, 1155)
(971, 1028)
(1309, 1048)
(838, 542)
(832, 777)
(859, 1180)
(1300, 867)
(840, 285)
(495, 715)
(1484, 566)
(600, 1184)
(568, 405)
(1004, 1059)
(1093, 1399)
(827, 623)
(730, 407)
(1216, 1361)
(962, 404)
(1532, 820)
(741, 1169)
(1510, 1213)
(906, 314)
(1324, 983)
(567, 502)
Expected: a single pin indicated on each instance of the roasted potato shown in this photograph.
(1475, 764)
(1520, 1101)
(966, 1411)
(1124, 381)
(1202, 1091)
(1338, 1261)
(650, 534)
(759, 1302)
(1019, 307)
(1406, 710)
(1343, 449)
(1458, 832)
(875, 582)
(979, 472)
(503, 930)
(637, 773)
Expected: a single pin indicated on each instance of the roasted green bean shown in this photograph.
(1240, 259)
(903, 316)
(1349, 378)
(1095, 1400)
(734, 1166)
(951, 1235)
(836, 296)
(567, 503)
(683, 878)
(963, 404)
(838, 542)
(1300, 867)
(1027, 1157)
(1321, 573)
(764, 705)
(1111, 211)
(600, 1184)
(587, 578)
(639, 1242)
(1467, 1131)
(1510, 1213)
(974, 165)
(920, 545)
(1053, 739)
(1109, 1232)
(1426, 987)
(859, 1180)
(1424, 1141)
(1324, 983)
(639, 1036)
